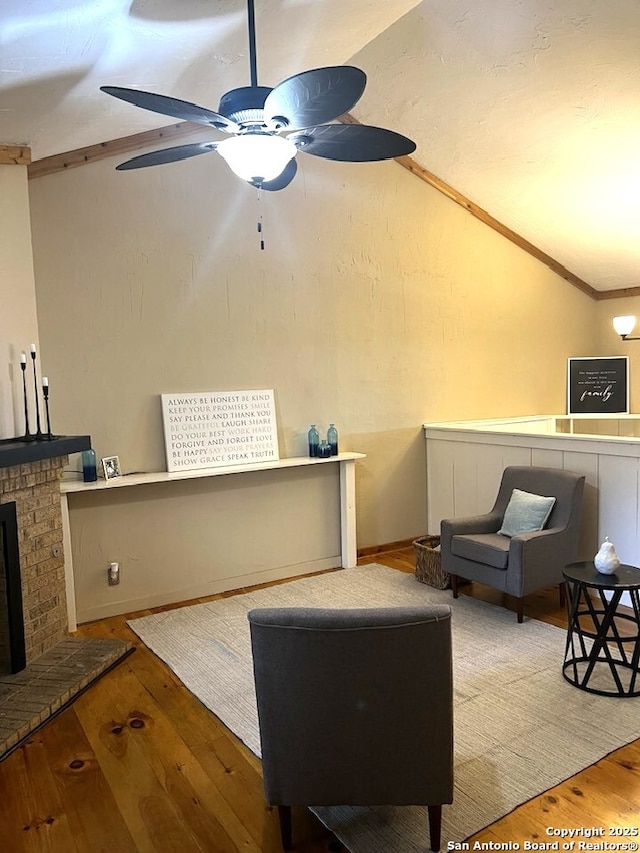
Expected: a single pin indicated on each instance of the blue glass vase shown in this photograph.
(314, 440)
(89, 470)
(332, 439)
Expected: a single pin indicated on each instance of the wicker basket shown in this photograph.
(428, 564)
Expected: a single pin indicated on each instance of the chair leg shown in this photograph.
(520, 609)
(563, 593)
(435, 825)
(453, 579)
(284, 816)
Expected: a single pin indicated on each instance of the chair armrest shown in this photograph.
(542, 554)
(488, 523)
(450, 527)
(538, 540)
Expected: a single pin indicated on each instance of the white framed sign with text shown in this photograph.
(213, 429)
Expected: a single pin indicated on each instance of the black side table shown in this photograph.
(597, 657)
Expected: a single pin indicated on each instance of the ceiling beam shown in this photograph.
(15, 155)
(123, 145)
(618, 293)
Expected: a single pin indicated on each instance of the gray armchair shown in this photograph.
(473, 549)
(355, 708)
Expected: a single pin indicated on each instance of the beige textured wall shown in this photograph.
(609, 343)
(18, 321)
(377, 304)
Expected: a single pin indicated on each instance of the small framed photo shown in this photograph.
(111, 467)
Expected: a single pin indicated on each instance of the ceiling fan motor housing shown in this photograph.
(245, 105)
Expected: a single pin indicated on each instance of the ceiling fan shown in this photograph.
(267, 127)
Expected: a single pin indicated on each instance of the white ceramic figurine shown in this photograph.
(606, 560)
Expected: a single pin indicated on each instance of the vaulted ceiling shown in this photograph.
(529, 108)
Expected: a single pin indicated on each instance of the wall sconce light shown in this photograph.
(624, 326)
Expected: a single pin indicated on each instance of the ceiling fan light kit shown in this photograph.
(302, 107)
(257, 157)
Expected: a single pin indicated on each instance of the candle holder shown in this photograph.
(45, 394)
(27, 434)
(38, 435)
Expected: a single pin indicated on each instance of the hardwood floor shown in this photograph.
(138, 765)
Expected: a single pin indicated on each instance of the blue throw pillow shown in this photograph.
(525, 513)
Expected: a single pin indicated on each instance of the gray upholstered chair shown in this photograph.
(473, 549)
(355, 708)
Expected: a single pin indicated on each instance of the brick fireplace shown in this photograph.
(53, 667)
(30, 474)
(35, 488)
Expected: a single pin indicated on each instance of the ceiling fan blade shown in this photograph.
(283, 180)
(352, 143)
(314, 97)
(171, 107)
(167, 155)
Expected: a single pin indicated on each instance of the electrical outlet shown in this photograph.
(114, 574)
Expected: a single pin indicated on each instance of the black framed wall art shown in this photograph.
(598, 386)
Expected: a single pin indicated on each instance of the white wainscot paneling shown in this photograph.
(440, 489)
(477, 469)
(581, 462)
(542, 457)
(618, 506)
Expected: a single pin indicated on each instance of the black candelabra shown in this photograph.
(23, 366)
(45, 394)
(35, 388)
(38, 435)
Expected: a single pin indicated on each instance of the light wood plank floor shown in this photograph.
(138, 765)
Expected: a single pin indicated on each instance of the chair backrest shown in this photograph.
(355, 706)
(566, 486)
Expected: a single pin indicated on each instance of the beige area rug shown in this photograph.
(520, 728)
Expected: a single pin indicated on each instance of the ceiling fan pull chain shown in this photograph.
(259, 225)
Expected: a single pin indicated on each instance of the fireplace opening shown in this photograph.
(12, 645)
